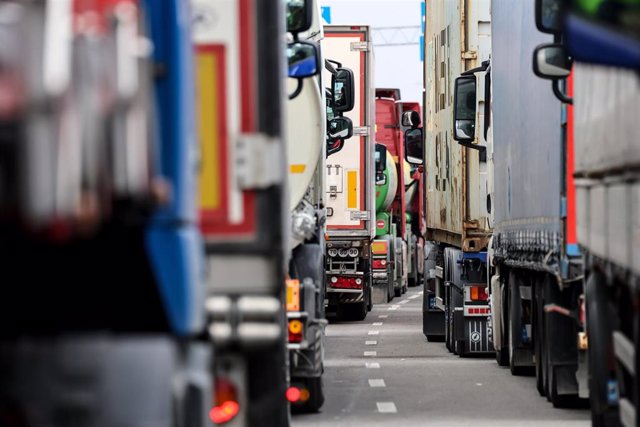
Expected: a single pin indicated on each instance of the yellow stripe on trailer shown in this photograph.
(352, 189)
(379, 247)
(208, 116)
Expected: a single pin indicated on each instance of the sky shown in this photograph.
(395, 66)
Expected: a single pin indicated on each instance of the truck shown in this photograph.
(103, 292)
(397, 250)
(596, 47)
(458, 200)
(244, 212)
(310, 135)
(349, 188)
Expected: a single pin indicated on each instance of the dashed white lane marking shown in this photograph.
(395, 307)
(372, 365)
(404, 301)
(386, 407)
(377, 323)
(421, 292)
(371, 343)
(374, 332)
(370, 353)
(378, 382)
(383, 316)
(414, 296)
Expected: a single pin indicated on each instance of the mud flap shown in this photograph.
(432, 318)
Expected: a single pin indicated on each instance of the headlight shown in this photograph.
(333, 252)
(343, 252)
(353, 252)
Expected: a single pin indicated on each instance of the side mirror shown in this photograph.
(340, 128)
(414, 146)
(299, 15)
(303, 59)
(549, 16)
(464, 113)
(343, 84)
(411, 119)
(381, 164)
(550, 61)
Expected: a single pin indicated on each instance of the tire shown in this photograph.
(353, 312)
(369, 300)
(316, 395)
(397, 292)
(514, 329)
(600, 348)
(538, 338)
(267, 403)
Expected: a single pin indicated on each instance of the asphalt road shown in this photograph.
(382, 371)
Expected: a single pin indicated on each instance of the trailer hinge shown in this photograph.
(361, 46)
(361, 131)
(470, 54)
(258, 161)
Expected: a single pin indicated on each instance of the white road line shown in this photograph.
(378, 382)
(374, 332)
(386, 407)
(371, 343)
(370, 353)
(395, 307)
(383, 316)
(404, 301)
(421, 292)
(377, 323)
(372, 365)
(414, 296)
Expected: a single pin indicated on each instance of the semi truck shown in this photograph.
(103, 288)
(244, 211)
(397, 251)
(458, 200)
(310, 135)
(596, 45)
(349, 188)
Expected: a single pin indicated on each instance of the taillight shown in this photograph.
(226, 402)
(478, 293)
(296, 331)
(346, 282)
(297, 394)
(379, 264)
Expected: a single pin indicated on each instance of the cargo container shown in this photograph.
(349, 188)
(458, 206)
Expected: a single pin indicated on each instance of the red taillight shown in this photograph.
(379, 264)
(478, 293)
(293, 394)
(346, 282)
(226, 402)
(296, 331)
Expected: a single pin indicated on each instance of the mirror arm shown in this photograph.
(558, 93)
(472, 145)
(330, 68)
(297, 91)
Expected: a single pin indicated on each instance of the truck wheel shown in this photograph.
(600, 347)
(316, 395)
(369, 300)
(397, 291)
(515, 326)
(538, 322)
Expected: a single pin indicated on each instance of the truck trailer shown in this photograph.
(458, 201)
(596, 45)
(349, 185)
(103, 288)
(244, 214)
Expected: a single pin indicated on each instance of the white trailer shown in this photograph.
(349, 188)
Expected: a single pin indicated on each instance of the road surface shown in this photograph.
(383, 372)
